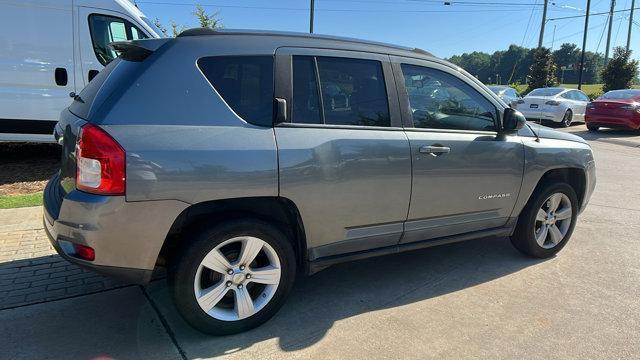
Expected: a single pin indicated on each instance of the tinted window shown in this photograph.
(568, 95)
(442, 101)
(306, 101)
(621, 94)
(245, 83)
(107, 29)
(581, 96)
(352, 92)
(545, 92)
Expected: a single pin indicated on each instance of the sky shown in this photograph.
(444, 30)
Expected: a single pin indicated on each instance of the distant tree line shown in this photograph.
(512, 66)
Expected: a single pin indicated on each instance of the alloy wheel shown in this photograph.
(566, 120)
(237, 278)
(553, 220)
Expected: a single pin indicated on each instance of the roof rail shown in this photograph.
(209, 31)
(198, 32)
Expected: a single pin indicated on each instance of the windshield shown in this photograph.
(495, 89)
(621, 94)
(545, 92)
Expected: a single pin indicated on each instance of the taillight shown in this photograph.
(100, 162)
(631, 107)
(552, 102)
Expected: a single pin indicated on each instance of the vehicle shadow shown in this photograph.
(356, 288)
(623, 137)
(28, 162)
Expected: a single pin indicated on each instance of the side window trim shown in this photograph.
(407, 118)
(284, 89)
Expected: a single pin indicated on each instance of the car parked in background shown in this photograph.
(51, 48)
(616, 108)
(556, 104)
(506, 93)
(239, 158)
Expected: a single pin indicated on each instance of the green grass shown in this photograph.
(16, 201)
(592, 90)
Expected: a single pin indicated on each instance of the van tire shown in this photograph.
(185, 268)
(524, 237)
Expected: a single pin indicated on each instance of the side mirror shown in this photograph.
(512, 120)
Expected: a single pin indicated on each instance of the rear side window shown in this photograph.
(339, 91)
(245, 83)
(107, 29)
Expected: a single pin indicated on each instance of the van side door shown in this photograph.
(343, 155)
(466, 175)
(97, 28)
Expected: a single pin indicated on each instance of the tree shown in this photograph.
(620, 71)
(542, 72)
(476, 63)
(160, 27)
(176, 29)
(204, 20)
(567, 56)
(207, 20)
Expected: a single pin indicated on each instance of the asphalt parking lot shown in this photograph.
(478, 299)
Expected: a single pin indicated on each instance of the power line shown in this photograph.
(325, 9)
(592, 14)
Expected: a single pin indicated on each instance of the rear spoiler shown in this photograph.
(137, 50)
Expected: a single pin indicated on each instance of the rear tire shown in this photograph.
(566, 119)
(593, 128)
(547, 221)
(233, 276)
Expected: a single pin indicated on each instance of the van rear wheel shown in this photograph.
(547, 221)
(233, 277)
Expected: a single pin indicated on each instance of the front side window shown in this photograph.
(245, 83)
(439, 100)
(349, 92)
(581, 96)
(107, 29)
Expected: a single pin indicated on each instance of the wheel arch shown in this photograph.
(575, 177)
(279, 211)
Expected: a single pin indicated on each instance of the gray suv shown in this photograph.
(239, 159)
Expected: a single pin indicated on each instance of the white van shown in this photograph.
(50, 48)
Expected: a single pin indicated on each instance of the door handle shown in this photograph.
(434, 150)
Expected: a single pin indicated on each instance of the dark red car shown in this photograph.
(616, 108)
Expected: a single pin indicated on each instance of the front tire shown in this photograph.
(547, 221)
(593, 128)
(233, 277)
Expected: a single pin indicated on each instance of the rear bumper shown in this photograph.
(127, 237)
(542, 114)
(628, 122)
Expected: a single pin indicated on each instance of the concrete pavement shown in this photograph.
(479, 299)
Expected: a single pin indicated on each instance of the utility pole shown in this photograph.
(311, 17)
(633, 5)
(544, 21)
(606, 52)
(584, 44)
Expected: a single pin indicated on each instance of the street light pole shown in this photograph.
(311, 17)
(606, 52)
(633, 5)
(544, 20)
(584, 44)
